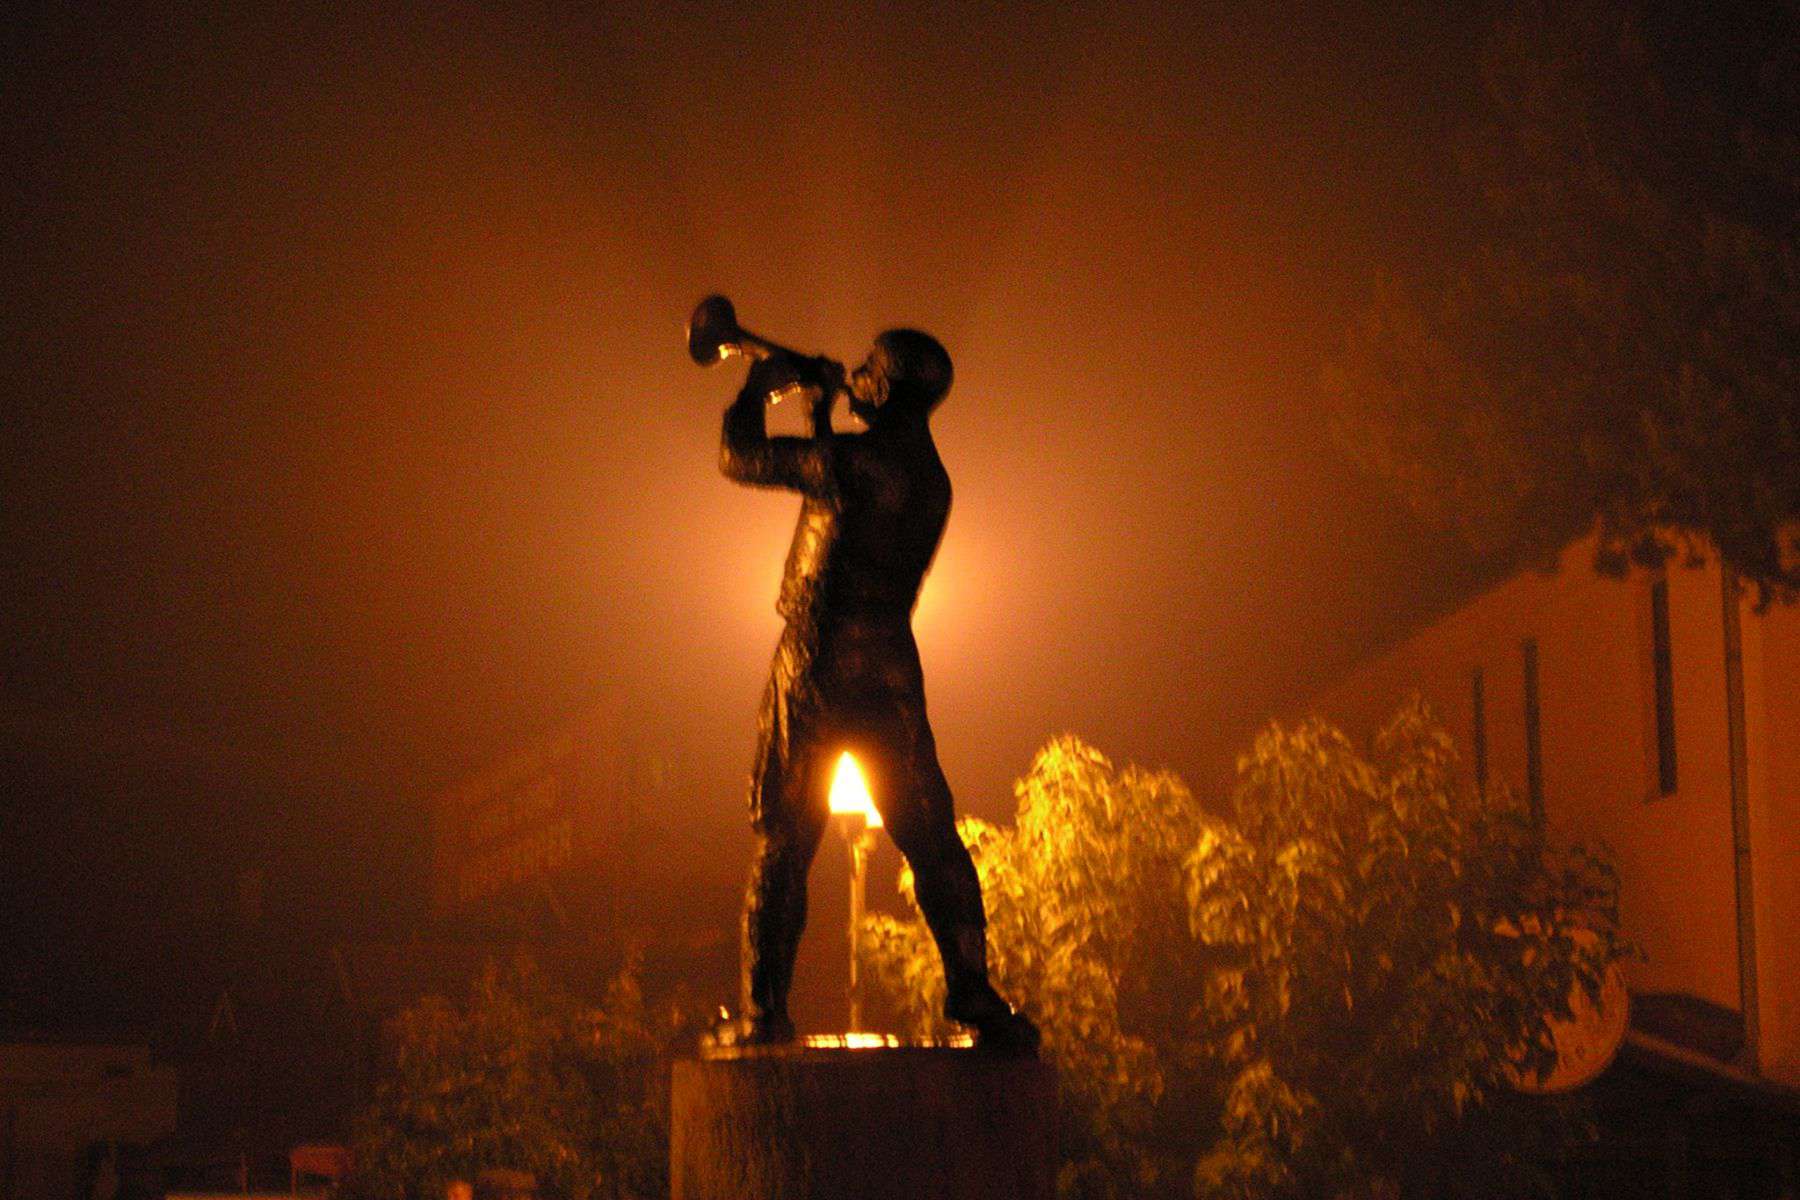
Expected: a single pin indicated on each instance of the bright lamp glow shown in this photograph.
(850, 791)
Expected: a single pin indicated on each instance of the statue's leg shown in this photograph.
(775, 908)
(789, 820)
(875, 693)
(919, 813)
(920, 816)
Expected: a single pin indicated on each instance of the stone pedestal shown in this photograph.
(906, 1123)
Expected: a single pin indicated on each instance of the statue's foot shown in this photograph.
(998, 1027)
(736, 1033)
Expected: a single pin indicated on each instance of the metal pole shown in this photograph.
(860, 844)
(1739, 777)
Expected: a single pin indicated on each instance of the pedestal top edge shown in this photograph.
(857, 1048)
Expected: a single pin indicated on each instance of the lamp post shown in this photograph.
(855, 815)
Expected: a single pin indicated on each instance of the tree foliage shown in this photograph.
(520, 1075)
(1618, 351)
(1397, 942)
(1314, 992)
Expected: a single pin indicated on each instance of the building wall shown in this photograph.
(1775, 831)
(59, 1103)
(574, 798)
(1598, 737)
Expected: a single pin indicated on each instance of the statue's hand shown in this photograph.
(773, 374)
(781, 371)
(828, 375)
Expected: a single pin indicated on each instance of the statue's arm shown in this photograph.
(749, 455)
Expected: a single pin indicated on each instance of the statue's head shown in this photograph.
(906, 371)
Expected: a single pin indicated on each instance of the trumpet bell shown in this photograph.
(713, 333)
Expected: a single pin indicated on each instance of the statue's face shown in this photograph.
(869, 387)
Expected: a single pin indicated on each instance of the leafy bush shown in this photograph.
(1322, 993)
(1396, 943)
(520, 1075)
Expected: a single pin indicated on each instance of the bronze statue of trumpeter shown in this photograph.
(846, 674)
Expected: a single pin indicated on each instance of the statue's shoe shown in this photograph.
(736, 1033)
(999, 1028)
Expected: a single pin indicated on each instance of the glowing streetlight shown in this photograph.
(857, 819)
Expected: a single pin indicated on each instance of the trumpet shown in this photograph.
(714, 335)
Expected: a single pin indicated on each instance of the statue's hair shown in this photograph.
(915, 364)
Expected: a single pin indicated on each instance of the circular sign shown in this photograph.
(1587, 1039)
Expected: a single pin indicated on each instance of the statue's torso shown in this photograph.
(864, 546)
